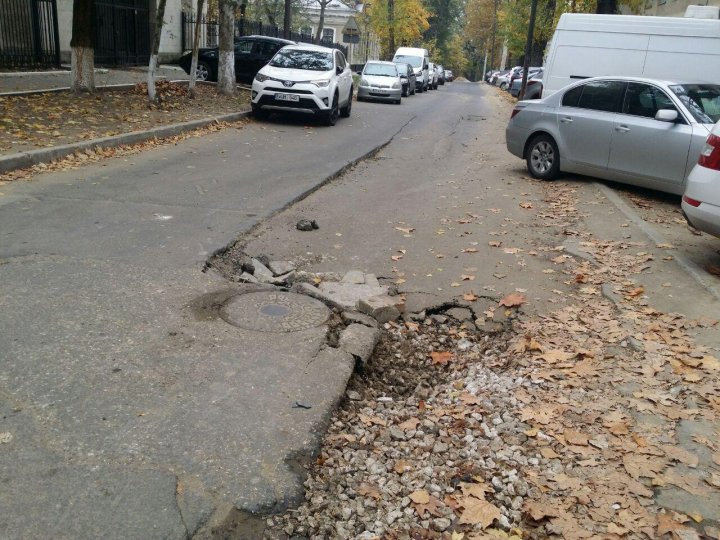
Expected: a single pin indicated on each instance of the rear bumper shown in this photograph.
(515, 138)
(705, 217)
(703, 185)
(387, 94)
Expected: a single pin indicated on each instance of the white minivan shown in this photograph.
(675, 48)
(419, 59)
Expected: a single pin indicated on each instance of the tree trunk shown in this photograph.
(82, 53)
(152, 66)
(391, 28)
(226, 56)
(287, 19)
(321, 23)
(607, 6)
(196, 48)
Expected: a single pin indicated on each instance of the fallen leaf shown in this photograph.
(539, 510)
(513, 300)
(404, 230)
(494, 243)
(402, 466)
(466, 277)
(420, 496)
(676, 453)
(555, 356)
(410, 423)
(368, 490)
(469, 250)
(526, 205)
(441, 358)
(470, 297)
(479, 512)
(575, 437)
(548, 453)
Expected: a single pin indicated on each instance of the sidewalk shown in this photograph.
(39, 127)
(46, 80)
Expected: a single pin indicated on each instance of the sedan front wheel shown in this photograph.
(543, 158)
(203, 72)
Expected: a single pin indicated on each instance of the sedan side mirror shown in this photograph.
(666, 115)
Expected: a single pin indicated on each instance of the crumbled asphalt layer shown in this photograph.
(410, 422)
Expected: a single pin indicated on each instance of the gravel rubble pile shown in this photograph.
(427, 443)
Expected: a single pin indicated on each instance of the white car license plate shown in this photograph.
(287, 97)
(380, 91)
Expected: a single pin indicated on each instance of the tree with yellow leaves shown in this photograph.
(397, 23)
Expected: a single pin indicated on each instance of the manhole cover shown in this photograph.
(274, 312)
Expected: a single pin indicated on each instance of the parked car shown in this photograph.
(441, 74)
(634, 130)
(381, 81)
(251, 53)
(519, 75)
(407, 78)
(497, 74)
(418, 59)
(701, 200)
(305, 79)
(432, 77)
(449, 75)
(503, 81)
(533, 89)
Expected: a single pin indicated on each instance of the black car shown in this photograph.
(251, 53)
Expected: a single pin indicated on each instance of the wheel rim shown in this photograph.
(201, 73)
(542, 157)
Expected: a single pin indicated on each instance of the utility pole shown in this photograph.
(528, 48)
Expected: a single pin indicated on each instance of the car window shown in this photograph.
(243, 47)
(382, 70)
(339, 60)
(572, 97)
(303, 59)
(268, 48)
(702, 100)
(602, 95)
(645, 100)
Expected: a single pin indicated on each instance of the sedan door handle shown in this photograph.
(622, 129)
(566, 120)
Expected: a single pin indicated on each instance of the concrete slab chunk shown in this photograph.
(353, 317)
(348, 294)
(359, 340)
(370, 279)
(314, 292)
(279, 268)
(262, 272)
(354, 276)
(382, 308)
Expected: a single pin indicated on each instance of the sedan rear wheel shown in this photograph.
(543, 158)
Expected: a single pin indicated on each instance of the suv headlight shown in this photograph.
(261, 78)
(363, 82)
(321, 83)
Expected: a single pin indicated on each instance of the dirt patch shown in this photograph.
(52, 119)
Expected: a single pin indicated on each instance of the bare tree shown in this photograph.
(196, 48)
(226, 58)
(152, 67)
(82, 52)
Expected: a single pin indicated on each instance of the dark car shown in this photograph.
(407, 77)
(519, 75)
(251, 53)
(534, 86)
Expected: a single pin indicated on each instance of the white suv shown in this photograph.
(306, 79)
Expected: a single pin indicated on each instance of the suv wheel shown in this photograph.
(543, 157)
(345, 111)
(203, 71)
(331, 116)
(259, 113)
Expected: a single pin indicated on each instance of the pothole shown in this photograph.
(270, 311)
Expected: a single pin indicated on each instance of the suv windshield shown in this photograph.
(300, 59)
(414, 61)
(702, 100)
(383, 70)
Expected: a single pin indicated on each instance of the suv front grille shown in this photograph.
(288, 90)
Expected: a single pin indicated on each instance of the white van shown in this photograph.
(589, 45)
(419, 60)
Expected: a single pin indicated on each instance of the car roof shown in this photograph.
(309, 47)
(268, 38)
(666, 82)
(383, 62)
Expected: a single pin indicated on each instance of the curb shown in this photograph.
(23, 160)
(697, 273)
(103, 88)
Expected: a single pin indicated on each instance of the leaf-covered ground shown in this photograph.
(52, 119)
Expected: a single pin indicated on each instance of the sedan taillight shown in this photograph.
(710, 155)
(514, 112)
(691, 202)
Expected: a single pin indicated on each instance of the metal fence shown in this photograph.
(29, 34)
(122, 32)
(209, 32)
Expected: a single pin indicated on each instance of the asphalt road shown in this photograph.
(130, 409)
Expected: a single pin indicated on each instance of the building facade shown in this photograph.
(674, 8)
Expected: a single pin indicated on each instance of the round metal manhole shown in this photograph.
(274, 312)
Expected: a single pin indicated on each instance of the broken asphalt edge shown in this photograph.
(697, 273)
(303, 195)
(24, 160)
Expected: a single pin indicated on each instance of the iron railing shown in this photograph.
(29, 34)
(209, 35)
(122, 32)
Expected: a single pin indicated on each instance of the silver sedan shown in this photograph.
(639, 131)
(380, 80)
